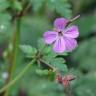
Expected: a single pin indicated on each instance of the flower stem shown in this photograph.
(17, 78)
(15, 45)
(13, 54)
(75, 18)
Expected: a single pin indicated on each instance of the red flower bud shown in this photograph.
(65, 80)
(59, 78)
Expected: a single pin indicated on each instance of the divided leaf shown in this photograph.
(62, 7)
(28, 50)
(59, 64)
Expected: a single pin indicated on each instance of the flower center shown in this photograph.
(60, 33)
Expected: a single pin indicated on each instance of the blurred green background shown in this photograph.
(39, 18)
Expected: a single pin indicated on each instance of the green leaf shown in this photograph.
(60, 6)
(4, 4)
(63, 8)
(40, 44)
(37, 4)
(46, 49)
(17, 5)
(28, 50)
(59, 64)
(42, 72)
(64, 53)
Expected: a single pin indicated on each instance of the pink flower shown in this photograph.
(63, 38)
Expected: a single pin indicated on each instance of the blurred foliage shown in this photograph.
(61, 7)
(86, 55)
(38, 19)
(3, 5)
(86, 28)
(32, 29)
(4, 22)
(86, 85)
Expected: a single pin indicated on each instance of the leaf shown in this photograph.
(40, 44)
(62, 7)
(64, 54)
(48, 53)
(17, 5)
(59, 64)
(42, 72)
(28, 50)
(46, 49)
(37, 4)
(4, 4)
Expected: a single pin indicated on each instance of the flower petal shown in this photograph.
(71, 32)
(50, 36)
(70, 44)
(59, 45)
(60, 23)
